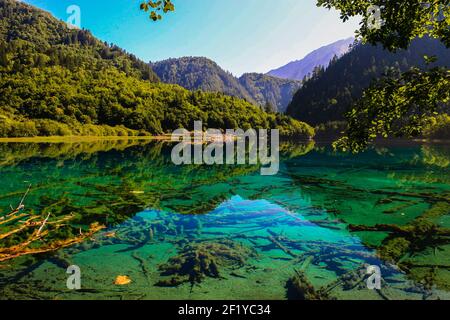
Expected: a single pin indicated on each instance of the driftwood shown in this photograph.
(42, 225)
(282, 247)
(22, 249)
(13, 218)
(21, 204)
(41, 237)
(25, 225)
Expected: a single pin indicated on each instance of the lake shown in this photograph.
(224, 232)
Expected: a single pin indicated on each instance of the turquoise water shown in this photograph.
(226, 232)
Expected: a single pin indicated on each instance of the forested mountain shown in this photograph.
(34, 38)
(198, 73)
(274, 94)
(57, 81)
(329, 93)
(299, 69)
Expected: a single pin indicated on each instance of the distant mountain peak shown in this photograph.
(297, 70)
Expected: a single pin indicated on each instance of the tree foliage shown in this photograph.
(397, 106)
(155, 8)
(438, 127)
(403, 21)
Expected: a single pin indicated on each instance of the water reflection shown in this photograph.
(208, 230)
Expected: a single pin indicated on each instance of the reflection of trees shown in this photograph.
(429, 160)
(105, 182)
(436, 155)
(109, 181)
(290, 149)
(13, 153)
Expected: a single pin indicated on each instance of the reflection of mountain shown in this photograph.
(12, 154)
(127, 164)
(120, 166)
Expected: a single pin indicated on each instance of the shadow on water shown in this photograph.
(121, 208)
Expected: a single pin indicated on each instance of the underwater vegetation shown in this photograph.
(200, 260)
(299, 288)
(423, 235)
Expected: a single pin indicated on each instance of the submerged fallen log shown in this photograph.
(27, 224)
(13, 218)
(23, 248)
(27, 241)
(142, 264)
(282, 247)
(21, 205)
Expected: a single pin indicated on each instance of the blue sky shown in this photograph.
(240, 35)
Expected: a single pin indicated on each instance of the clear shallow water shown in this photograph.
(226, 232)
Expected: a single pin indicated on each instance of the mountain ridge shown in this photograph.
(201, 73)
(299, 69)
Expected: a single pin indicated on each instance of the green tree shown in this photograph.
(397, 106)
(400, 106)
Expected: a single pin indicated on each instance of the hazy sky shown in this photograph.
(240, 35)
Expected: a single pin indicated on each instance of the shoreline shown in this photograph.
(74, 139)
(168, 137)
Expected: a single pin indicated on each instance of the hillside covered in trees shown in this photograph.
(199, 73)
(274, 94)
(58, 81)
(329, 93)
